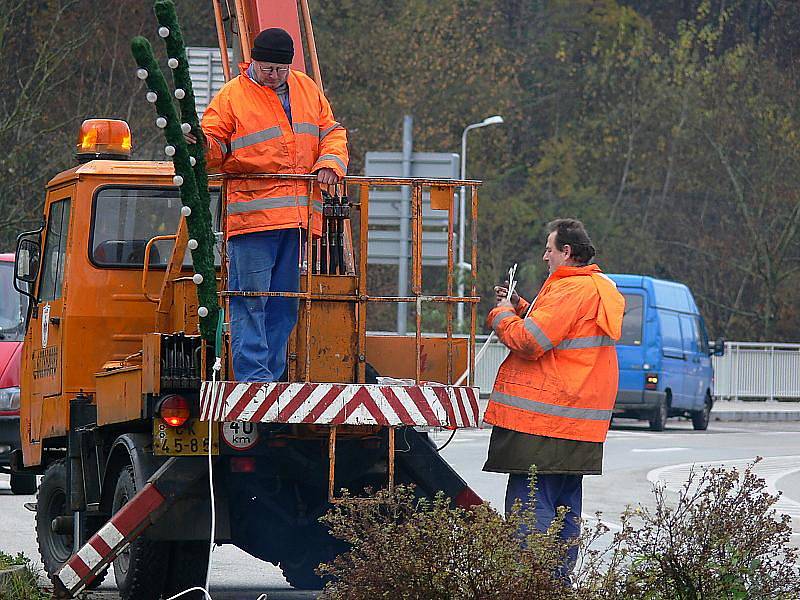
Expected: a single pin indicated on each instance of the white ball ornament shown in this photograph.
(169, 150)
(163, 32)
(192, 160)
(141, 73)
(177, 180)
(172, 63)
(151, 97)
(180, 94)
(192, 244)
(197, 278)
(186, 211)
(161, 122)
(202, 311)
(185, 127)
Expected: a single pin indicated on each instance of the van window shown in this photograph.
(702, 336)
(55, 251)
(126, 218)
(689, 333)
(632, 321)
(672, 340)
(13, 306)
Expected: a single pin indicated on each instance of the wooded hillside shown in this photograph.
(670, 128)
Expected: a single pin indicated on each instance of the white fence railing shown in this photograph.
(752, 370)
(748, 370)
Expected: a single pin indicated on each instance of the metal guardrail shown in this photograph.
(761, 371)
(748, 370)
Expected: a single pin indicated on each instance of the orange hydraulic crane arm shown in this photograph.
(253, 16)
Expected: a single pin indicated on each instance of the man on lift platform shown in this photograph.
(270, 119)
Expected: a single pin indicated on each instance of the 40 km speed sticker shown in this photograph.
(240, 435)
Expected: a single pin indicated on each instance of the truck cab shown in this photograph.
(664, 354)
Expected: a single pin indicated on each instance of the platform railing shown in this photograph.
(443, 191)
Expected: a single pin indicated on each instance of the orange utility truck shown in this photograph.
(130, 414)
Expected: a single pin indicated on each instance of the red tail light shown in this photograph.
(174, 410)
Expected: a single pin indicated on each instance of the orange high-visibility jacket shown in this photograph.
(560, 379)
(249, 132)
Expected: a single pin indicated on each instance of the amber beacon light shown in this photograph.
(104, 139)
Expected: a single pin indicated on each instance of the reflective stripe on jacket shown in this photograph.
(560, 379)
(248, 132)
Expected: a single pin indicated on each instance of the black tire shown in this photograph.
(23, 484)
(700, 418)
(658, 419)
(141, 570)
(51, 502)
(298, 568)
(188, 563)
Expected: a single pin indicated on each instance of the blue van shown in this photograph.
(664, 354)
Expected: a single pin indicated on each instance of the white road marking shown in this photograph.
(675, 449)
(771, 469)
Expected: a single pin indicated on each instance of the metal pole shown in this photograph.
(462, 216)
(405, 215)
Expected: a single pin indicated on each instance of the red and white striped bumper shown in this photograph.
(112, 538)
(340, 404)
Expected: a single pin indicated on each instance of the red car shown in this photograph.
(13, 307)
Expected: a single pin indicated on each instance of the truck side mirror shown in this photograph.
(717, 347)
(26, 265)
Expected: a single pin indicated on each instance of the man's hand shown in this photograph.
(504, 304)
(327, 176)
(501, 291)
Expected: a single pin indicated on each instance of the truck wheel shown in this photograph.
(658, 420)
(51, 502)
(188, 564)
(141, 570)
(23, 484)
(700, 418)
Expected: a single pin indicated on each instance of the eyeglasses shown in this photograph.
(270, 70)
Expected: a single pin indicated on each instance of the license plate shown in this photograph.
(191, 439)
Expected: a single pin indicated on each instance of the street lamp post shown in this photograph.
(462, 213)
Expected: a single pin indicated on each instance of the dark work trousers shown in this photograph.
(260, 326)
(551, 492)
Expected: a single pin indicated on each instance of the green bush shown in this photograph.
(406, 547)
(719, 539)
(20, 585)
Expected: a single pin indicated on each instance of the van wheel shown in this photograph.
(700, 418)
(141, 569)
(658, 420)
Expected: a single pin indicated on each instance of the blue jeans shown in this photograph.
(551, 492)
(260, 326)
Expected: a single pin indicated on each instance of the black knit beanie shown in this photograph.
(273, 45)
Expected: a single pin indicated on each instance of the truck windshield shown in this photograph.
(126, 218)
(13, 306)
(632, 321)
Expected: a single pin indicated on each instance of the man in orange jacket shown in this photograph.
(270, 119)
(552, 400)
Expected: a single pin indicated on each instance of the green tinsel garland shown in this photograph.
(194, 184)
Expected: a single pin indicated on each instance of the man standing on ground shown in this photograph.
(552, 399)
(270, 119)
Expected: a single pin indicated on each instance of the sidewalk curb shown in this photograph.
(755, 416)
